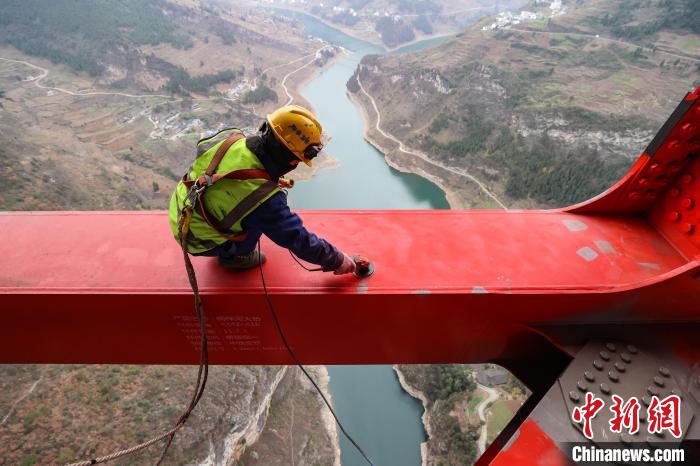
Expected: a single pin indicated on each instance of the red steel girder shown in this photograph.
(450, 286)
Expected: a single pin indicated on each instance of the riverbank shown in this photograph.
(372, 137)
(460, 195)
(320, 374)
(374, 39)
(308, 72)
(425, 418)
(298, 429)
(238, 439)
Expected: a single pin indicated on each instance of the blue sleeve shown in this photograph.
(275, 220)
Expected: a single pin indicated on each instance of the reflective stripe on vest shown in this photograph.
(228, 201)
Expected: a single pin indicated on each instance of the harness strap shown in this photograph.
(209, 178)
(221, 152)
(242, 174)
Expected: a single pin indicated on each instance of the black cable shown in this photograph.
(296, 360)
(302, 265)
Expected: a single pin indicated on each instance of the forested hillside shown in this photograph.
(79, 33)
(101, 103)
(548, 111)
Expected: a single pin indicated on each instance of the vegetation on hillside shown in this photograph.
(394, 32)
(552, 173)
(625, 22)
(182, 83)
(460, 446)
(78, 33)
(260, 94)
(440, 381)
(513, 118)
(447, 387)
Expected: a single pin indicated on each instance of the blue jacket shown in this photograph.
(274, 219)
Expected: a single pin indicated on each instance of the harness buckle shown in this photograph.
(193, 194)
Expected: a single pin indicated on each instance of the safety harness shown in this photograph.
(197, 188)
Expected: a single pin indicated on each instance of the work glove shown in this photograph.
(347, 266)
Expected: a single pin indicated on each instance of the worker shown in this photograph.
(243, 198)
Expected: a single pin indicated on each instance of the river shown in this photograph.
(381, 416)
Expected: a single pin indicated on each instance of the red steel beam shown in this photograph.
(450, 286)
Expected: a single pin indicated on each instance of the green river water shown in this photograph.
(369, 400)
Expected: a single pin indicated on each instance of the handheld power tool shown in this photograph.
(363, 266)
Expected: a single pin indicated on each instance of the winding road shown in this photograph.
(423, 156)
(481, 409)
(19, 400)
(606, 39)
(43, 73)
(286, 76)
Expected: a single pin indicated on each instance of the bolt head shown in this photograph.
(605, 355)
(674, 192)
(620, 367)
(626, 357)
(574, 396)
(611, 346)
(687, 179)
(632, 349)
(674, 216)
(590, 377)
(688, 228)
(614, 376)
(659, 381)
(605, 388)
(664, 371)
(598, 365)
(688, 203)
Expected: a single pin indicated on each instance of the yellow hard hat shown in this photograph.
(298, 129)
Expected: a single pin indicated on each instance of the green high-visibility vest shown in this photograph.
(227, 201)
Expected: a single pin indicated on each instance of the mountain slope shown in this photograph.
(100, 105)
(544, 113)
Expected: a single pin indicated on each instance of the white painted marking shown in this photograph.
(604, 246)
(649, 265)
(587, 253)
(575, 225)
